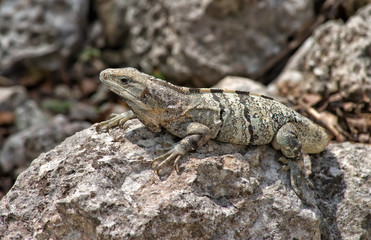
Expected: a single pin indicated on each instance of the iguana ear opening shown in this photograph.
(145, 93)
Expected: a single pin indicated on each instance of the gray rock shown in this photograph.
(342, 176)
(203, 40)
(101, 186)
(28, 115)
(22, 147)
(11, 97)
(248, 85)
(336, 59)
(243, 84)
(83, 112)
(40, 34)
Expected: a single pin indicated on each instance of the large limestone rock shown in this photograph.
(101, 186)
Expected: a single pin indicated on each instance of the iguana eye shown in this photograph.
(123, 79)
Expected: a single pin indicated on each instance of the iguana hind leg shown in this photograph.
(287, 141)
(197, 135)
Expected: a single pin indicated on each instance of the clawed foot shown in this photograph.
(296, 179)
(115, 120)
(171, 157)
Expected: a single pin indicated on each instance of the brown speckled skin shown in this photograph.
(199, 114)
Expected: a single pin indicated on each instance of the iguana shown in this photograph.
(199, 114)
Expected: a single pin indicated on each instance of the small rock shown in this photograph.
(21, 148)
(62, 91)
(100, 95)
(243, 84)
(83, 112)
(11, 97)
(28, 115)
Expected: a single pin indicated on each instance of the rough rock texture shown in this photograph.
(336, 59)
(11, 97)
(41, 34)
(202, 40)
(101, 186)
(342, 176)
(22, 147)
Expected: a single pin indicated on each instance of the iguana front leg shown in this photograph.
(287, 141)
(115, 120)
(197, 134)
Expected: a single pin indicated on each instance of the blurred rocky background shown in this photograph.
(315, 55)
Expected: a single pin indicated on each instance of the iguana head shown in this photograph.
(140, 91)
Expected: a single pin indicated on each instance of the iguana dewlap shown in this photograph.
(199, 114)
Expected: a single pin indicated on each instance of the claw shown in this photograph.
(106, 125)
(284, 168)
(108, 129)
(176, 164)
(166, 160)
(121, 123)
(115, 120)
(101, 126)
(97, 128)
(173, 155)
(163, 150)
(310, 183)
(296, 178)
(159, 158)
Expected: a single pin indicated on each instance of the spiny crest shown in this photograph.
(163, 83)
(195, 90)
(217, 90)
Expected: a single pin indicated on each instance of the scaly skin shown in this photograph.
(199, 114)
